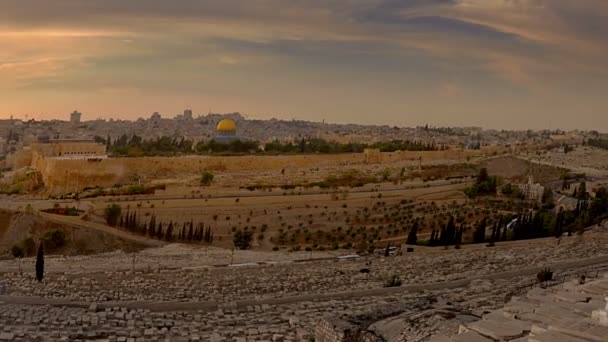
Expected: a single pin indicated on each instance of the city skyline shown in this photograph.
(494, 63)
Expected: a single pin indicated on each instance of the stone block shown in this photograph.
(469, 336)
(497, 330)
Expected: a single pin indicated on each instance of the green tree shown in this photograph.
(112, 214)
(206, 178)
(242, 239)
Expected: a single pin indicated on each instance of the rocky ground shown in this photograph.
(276, 299)
(179, 277)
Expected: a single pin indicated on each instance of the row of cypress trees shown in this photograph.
(189, 231)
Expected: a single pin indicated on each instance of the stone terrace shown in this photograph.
(155, 281)
(199, 302)
(571, 313)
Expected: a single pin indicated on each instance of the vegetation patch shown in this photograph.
(67, 211)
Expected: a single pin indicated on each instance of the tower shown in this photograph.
(75, 117)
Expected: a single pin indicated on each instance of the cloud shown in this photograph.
(215, 46)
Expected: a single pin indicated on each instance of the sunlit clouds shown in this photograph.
(407, 62)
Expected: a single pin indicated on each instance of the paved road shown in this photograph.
(212, 306)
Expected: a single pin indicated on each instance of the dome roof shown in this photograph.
(226, 125)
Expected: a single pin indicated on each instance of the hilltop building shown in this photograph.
(225, 131)
(532, 191)
(186, 116)
(75, 117)
(69, 148)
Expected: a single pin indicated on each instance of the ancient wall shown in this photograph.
(68, 175)
(20, 159)
(67, 148)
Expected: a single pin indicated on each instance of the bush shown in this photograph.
(24, 248)
(136, 189)
(393, 281)
(17, 251)
(485, 185)
(206, 178)
(112, 214)
(242, 239)
(544, 275)
(53, 239)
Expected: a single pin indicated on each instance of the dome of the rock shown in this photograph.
(226, 125)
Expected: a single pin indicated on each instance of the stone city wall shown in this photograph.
(68, 175)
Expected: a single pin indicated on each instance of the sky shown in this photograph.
(512, 64)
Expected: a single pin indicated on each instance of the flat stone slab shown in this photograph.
(524, 325)
(596, 289)
(497, 314)
(537, 319)
(5, 336)
(571, 297)
(557, 312)
(553, 336)
(469, 336)
(521, 339)
(440, 338)
(520, 306)
(497, 330)
(584, 329)
(587, 308)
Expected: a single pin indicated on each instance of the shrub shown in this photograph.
(544, 275)
(18, 251)
(242, 239)
(393, 281)
(53, 239)
(135, 189)
(485, 185)
(24, 248)
(206, 178)
(112, 214)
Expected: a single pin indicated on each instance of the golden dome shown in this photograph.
(226, 125)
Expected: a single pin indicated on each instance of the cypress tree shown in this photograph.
(458, 238)
(450, 232)
(412, 237)
(479, 235)
(152, 226)
(169, 234)
(159, 231)
(558, 227)
(443, 237)
(40, 263)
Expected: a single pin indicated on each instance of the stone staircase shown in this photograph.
(568, 313)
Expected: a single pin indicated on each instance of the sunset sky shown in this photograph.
(492, 63)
